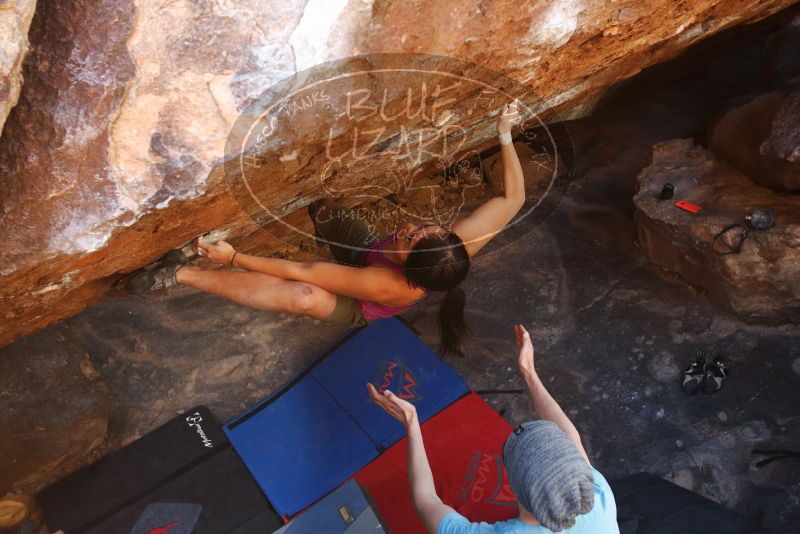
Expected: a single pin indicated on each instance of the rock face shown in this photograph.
(15, 19)
(113, 153)
(55, 410)
(759, 284)
(535, 167)
(781, 150)
(782, 62)
(761, 139)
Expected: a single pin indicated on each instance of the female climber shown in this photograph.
(391, 276)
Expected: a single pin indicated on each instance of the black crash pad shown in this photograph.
(184, 470)
(652, 505)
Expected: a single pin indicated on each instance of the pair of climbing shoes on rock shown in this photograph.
(703, 375)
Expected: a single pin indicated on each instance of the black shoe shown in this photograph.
(161, 275)
(694, 375)
(173, 257)
(716, 372)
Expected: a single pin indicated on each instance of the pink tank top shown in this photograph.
(374, 257)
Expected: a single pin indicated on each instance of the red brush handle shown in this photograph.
(688, 206)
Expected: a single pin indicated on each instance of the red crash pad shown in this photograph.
(464, 443)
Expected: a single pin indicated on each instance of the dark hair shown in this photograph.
(441, 264)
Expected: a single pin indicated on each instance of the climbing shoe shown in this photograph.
(716, 372)
(161, 275)
(694, 375)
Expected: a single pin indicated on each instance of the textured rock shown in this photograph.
(781, 150)
(15, 19)
(761, 139)
(112, 155)
(783, 62)
(762, 282)
(54, 410)
(536, 167)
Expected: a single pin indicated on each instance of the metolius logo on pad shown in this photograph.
(194, 421)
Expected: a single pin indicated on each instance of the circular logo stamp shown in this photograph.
(390, 139)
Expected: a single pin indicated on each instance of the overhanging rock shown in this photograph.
(112, 155)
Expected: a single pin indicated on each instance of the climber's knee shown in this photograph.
(308, 299)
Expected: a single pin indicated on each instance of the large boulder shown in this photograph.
(781, 149)
(55, 410)
(112, 155)
(15, 19)
(760, 137)
(759, 284)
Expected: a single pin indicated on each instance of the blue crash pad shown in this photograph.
(301, 446)
(344, 511)
(388, 355)
(321, 427)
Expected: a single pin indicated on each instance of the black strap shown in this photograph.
(774, 455)
(722, 232)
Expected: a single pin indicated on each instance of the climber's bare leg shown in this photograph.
(261, 291)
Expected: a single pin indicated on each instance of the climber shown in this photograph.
(393, 274)
(548, 469)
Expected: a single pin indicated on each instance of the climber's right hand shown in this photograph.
(219, 252)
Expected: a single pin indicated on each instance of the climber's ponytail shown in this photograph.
(441, 264)
(453, 329)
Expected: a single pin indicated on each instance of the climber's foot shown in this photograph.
(160, 275)
(161, 278)
(174, 257)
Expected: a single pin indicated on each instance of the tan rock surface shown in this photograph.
(112, 155)
(55, 410)
(15, 19)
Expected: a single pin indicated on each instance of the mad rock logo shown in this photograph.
(485, 481)
(394, 134)
(397, 378)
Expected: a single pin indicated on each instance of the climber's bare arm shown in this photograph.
(375, 284)
(489, 219)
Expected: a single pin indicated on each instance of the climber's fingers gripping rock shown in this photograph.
(218, 252)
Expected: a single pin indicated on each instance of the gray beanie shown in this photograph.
(550, 478)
